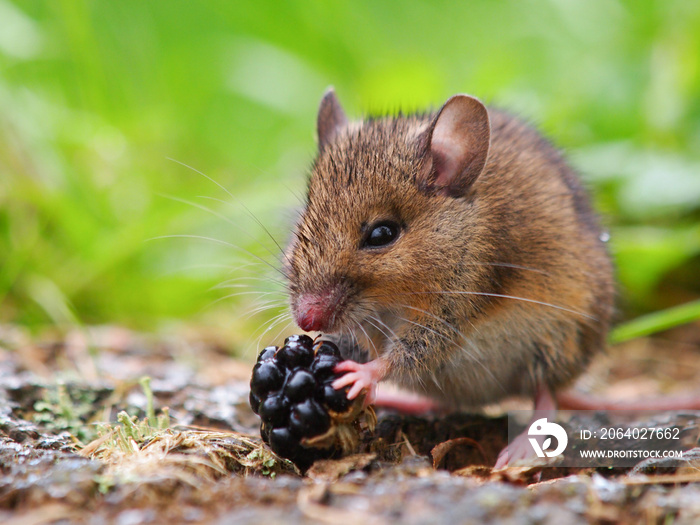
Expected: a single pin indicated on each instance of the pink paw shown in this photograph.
(362, 377)
(519, 449)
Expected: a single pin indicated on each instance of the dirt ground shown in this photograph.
(60, 462)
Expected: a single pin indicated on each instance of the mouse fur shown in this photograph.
(499, 280)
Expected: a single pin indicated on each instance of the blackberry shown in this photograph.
(295, 354)
(336, 400)
(323, 366)
(267, 353)
(327, 348)
(282, 442)
(254, 402)
(303, 417)
(266, 377)
(301, 385)
(275, 410)
(309, 419)
(301, 339)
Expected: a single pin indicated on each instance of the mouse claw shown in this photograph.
(362, 377)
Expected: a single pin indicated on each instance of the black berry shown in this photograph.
(291, 390)
(300, 385)
(308, 419)
(254, 402)
(266, 377)
(336, 400)
(295, 355)
(301, 339)
(267, 353)
(283, 442)
(275, 410)
(323, 366)
(327, 348)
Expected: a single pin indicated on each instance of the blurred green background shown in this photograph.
(96, 97)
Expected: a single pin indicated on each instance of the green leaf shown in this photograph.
(656, 322)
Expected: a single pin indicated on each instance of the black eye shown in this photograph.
(381, 234)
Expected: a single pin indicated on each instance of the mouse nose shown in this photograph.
(313, 319)
(314, 312)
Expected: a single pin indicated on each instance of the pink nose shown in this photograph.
(314, 312)
(315, 319)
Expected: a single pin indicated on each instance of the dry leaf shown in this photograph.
(439, 452)
(329, 470)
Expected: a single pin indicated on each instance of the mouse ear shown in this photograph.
(331, 118)
(459, 141)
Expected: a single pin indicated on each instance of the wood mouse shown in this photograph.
(458, 249)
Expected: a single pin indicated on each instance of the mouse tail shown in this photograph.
(572, 400)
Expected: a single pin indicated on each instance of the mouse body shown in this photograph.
(454, 253)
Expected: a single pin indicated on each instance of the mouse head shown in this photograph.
(387, 200)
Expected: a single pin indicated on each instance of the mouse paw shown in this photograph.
(520, 448)
(362, 377)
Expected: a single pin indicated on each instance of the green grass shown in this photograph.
(95, 97)
(656, 322)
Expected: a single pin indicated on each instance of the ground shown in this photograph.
(206, 463)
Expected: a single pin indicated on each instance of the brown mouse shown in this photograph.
(458, 248)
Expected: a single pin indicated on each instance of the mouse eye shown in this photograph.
(381, 234)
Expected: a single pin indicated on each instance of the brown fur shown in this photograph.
(523, 229)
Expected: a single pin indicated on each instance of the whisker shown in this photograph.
(224, 285)
(223, 243)
(503, 296)
(435, 332)
(356, 340)
(252, 215)
(437, 318)
(230, 296)
(284, 316)
(379, 327)
(284, 327)
(274, 321)
(256, 340)
(269, 305)
(206, 265)
(507, 265)
(259, 293)
(253, 278)
(299, 196)
(243, 265)
(369, 339)
(223, 218)
(245, 286)
(355, 343)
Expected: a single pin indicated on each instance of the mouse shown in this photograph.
(454, 253)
